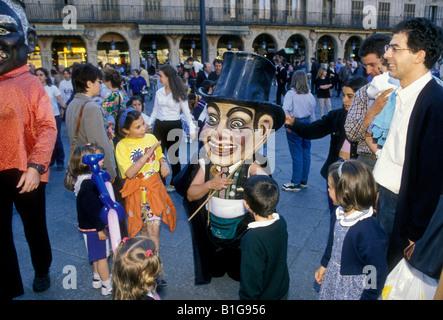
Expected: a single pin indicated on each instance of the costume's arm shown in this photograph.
(199, 187)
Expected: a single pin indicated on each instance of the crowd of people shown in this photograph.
(400, 184)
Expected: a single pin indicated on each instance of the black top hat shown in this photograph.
(246, 80)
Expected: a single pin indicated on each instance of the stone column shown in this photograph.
(212, 48)
(174, 49)
(45, 45)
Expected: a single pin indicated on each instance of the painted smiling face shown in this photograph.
(232, 134)
(15, 42)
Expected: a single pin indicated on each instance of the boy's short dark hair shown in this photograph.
(375, 43)
(356, 82)
(84, 73)
(261, 193)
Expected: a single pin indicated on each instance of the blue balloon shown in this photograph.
(100, 177)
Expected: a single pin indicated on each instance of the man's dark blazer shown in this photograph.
(422, 175)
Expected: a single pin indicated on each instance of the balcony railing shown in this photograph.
(214, 16)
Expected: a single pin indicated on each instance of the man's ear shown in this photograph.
(265, 124)
(421, 55)
(32, 39)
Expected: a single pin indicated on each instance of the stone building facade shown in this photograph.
(131, 32)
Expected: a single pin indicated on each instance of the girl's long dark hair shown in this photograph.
(175, 83)
(48, 79)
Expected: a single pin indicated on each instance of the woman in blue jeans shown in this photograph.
(331, 124)
(300, 103)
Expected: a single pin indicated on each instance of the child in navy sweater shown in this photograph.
(264, 271)
(90, 224)
(354, 264)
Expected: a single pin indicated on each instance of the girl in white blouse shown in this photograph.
(170, 101)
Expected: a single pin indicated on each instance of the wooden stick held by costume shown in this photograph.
(262, 142)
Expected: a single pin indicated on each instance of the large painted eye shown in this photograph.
(237, 124)
(4, 32)
(212, 120)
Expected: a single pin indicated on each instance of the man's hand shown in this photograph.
(29, 181)
(289, 120)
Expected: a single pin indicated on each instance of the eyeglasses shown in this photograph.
(394, 48)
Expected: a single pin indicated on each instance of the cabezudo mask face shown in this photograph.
(229, 135)
(14, 46)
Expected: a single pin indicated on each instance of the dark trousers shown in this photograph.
(170, 134)
(58, 154)
(386, 207)
(280, 92)
(31, 207)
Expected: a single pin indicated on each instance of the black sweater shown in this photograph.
(264, 271)
(89, 207)
(333, 124)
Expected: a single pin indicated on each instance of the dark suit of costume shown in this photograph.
(245, 80)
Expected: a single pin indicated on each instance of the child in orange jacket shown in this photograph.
(141, 161)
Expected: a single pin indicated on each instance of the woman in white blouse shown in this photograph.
(170, 101)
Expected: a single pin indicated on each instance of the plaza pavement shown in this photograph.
(306, 214)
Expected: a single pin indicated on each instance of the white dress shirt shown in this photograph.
(167, 109)
(389, 165)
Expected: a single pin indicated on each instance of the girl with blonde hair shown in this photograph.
(134, 270)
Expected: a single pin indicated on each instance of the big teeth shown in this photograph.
(219, 146)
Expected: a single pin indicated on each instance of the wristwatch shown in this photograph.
(39, 168)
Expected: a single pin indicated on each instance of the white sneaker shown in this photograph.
(106, 291)
(96, 283)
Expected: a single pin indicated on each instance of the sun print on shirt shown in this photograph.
(137, 153)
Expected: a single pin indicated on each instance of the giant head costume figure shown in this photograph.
(17, 39)
(240, 118)
(239, 121)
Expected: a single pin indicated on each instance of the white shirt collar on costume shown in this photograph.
(258, 224)
(354, 217)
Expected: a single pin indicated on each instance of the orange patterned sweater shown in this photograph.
(27, 124)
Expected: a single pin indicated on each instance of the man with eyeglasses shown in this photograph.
(361, 112)
(409, 168)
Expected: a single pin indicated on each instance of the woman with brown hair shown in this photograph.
(170, 101)
(300, 103)
(115, 101)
